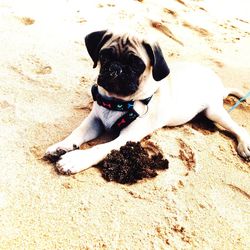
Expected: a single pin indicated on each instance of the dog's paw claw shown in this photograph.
(63, 171)
(54, 155)
(244, 150)
(70, 163)
(51, 157)
(54, 152)
(75, 161)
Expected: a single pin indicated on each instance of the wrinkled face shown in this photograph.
(120, 72)
(125, 61)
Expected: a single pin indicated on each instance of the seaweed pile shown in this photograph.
(131, 163)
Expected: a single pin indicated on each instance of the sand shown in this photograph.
(200, 202)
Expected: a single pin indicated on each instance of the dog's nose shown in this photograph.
(115, 70)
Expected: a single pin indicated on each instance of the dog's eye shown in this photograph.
(106, 55)
(103, 59)
(132, 58)
(136, 63)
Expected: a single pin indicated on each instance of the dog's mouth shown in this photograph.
(115, 90)
(118, 88)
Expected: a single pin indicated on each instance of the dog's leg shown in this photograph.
(89, 129)
(78, 160)
(221, 116)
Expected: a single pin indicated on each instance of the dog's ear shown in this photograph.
(94, 42)
(160, 67)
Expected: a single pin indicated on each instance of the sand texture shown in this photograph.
(201, 202)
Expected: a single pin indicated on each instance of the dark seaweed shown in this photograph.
(131, 163)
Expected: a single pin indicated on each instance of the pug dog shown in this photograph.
(136, 94)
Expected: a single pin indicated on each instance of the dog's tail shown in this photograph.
(237, 93)
(234, 92)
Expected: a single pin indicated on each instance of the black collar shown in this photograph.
(114, 104)
(118, 105)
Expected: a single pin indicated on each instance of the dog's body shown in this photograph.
(187, 91)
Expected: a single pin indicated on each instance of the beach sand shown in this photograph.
(200, 202)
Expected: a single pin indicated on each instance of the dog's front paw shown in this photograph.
(244, 149)
(54, 152)
(73, 162)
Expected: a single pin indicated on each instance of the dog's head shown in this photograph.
(124, 61)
